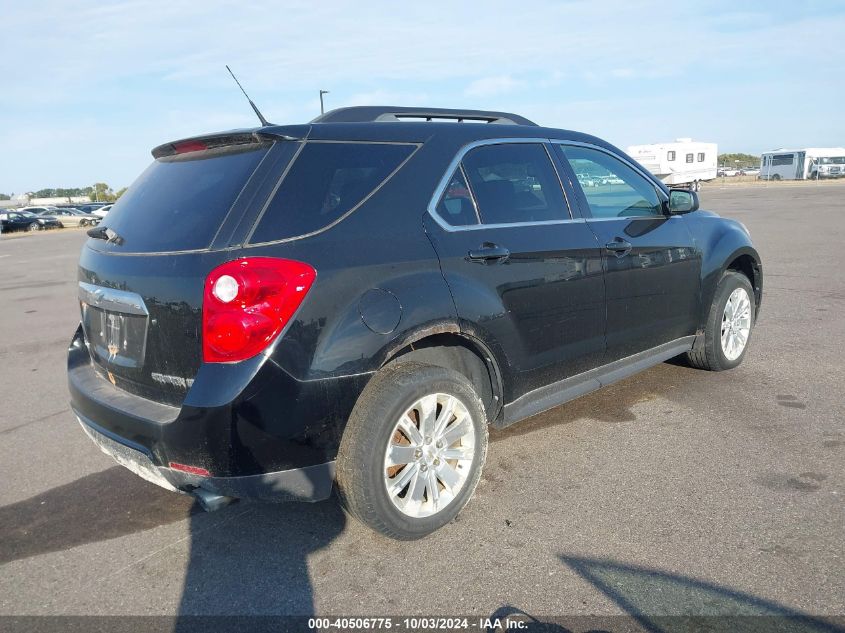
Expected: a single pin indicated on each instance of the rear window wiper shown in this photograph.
(105, 233)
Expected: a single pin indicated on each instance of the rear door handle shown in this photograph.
(489, 253)
(619, 247)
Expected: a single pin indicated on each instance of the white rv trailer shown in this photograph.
(684, 163)
(801, 164)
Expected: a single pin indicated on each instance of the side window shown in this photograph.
(689, 158)
(701, 157)
(325, 182)
(456, 206)
(622, 191)
(670, 155)
(515, 182)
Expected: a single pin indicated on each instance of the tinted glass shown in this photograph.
(326, 181)
(456, 206)
(620, 192)
(783, 159)
(514, 182)
(180, 201)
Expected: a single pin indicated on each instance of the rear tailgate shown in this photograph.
(141, 290)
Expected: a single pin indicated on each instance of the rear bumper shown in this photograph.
(311, 483)
(258, 431)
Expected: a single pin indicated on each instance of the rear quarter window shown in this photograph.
(326, 182)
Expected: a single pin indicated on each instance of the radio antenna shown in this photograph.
(254, 107)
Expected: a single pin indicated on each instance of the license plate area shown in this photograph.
(115, 325)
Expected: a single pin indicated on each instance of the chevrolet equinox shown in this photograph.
(348, 304)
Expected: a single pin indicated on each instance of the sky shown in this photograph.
(90, 88)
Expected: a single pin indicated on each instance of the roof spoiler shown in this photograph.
(361, 114)
(236, 137)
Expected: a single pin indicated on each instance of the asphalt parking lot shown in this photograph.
(676, 491)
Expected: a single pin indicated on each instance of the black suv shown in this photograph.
(268, 313)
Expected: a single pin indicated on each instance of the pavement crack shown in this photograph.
(30, 422)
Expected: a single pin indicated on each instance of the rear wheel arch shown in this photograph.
(461, 353)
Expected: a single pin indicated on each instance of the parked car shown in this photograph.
(612, 180)
(90, 207)
(586, 180)
(23, 220)
(39, 210)
(354, 301)
(69, 217)
(102, 211)
(748, 171)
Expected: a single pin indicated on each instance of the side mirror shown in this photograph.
(682, 201)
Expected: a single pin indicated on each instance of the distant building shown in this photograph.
(62, 200)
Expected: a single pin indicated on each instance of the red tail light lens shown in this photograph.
(193, 470)
(189, 146)
(247, 303)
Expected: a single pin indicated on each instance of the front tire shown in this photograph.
(413, 449)
(729, 324)
(33, 226)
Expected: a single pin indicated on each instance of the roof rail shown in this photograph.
(359, 114)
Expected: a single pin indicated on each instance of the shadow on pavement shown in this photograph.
(101, 506)
(661, 601)
(256, 564)
(248, 559)
(612, 404)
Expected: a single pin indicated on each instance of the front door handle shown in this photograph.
(619, 247)
(489, 253)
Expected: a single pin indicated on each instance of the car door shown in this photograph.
(524, 272)
(651, 262)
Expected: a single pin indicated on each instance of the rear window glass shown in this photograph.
(179, 202)
(326, 181)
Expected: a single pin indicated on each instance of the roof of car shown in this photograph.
(405, 125)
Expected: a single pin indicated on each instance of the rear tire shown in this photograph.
(725, 340)
(413, 449)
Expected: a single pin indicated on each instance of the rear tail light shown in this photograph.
(247, 303)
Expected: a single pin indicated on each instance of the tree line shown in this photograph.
(745, 160)
(99, 192)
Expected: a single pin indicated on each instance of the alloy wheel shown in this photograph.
(429, 456)
(736, 324)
